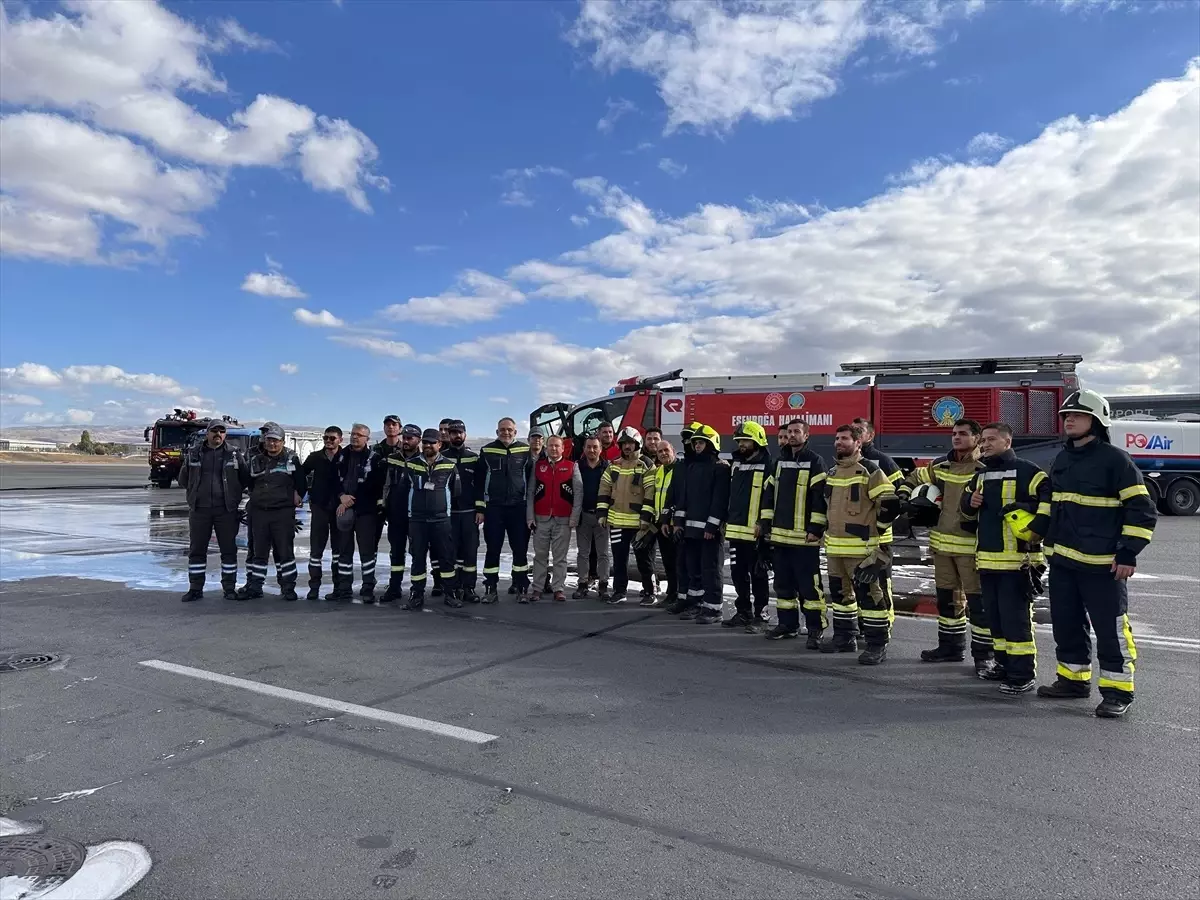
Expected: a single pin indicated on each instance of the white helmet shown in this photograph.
(927, 495)
(1087, 402)
(629, 433)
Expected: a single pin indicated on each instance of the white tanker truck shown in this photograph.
(1168, 453)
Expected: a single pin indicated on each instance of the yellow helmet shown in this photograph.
(751, 431)
(705, 433)
(1019, 521)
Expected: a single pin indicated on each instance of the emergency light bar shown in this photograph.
(983, 366)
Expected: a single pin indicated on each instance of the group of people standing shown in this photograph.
(995, 519)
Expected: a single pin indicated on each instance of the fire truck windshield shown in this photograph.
(587, 418)
(171, 437)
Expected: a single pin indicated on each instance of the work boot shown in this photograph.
(416, 600)
(814, 641)
(512, 588)
(490, 594)
(708, 616)
(289, 594)
(581, 591)
(691, 612)
(757, 625)
(524, 597)
(1014, 688)
(943, 653)
(602, 589)
(451, 600)
(873, 655)
(840, 643)
(617, 598)
(647, 598)
(394, 591)
(192, 595)
(366, 592)
(469, 596)
(560, 596)
(314, 592)
(1112, 708)
(342, 592)
(984, 669)
(437, 591)
(229, 593)
(1065, 689)
(737, 620)
(249, 593)
(780, 633)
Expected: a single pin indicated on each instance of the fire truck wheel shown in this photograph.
(1183, 497)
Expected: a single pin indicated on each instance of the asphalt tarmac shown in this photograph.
(77, 476)
(608, 752)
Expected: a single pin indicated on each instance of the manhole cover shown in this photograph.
(19, 661)
(40, 856)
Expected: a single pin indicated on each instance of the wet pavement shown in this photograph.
(301, 750)
(71, 476)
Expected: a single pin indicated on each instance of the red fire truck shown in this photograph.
(169, 437)
(913, 403)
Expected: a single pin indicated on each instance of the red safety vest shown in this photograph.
(553, 494)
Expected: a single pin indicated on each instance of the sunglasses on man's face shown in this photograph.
(330, 438)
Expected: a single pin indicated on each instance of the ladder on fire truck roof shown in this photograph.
(984, 365)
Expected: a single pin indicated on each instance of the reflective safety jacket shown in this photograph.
(660, 511)
(394, 494)
(701, 492)
(500, 475)
(891, 471)
(862, 503)
(466, 460)
(431, 487)
(274, 479)
(1007, 482)
(794, 499)
(1099, 513)
(950, 475)
(747, 480)
(625, 490)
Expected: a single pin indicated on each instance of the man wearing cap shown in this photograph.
(500, 484)
(432, 482)
(464, 533)
(393, 503)
(214, 476)
(358, 477)
(277, 487)
(383, 449)
(322, 505)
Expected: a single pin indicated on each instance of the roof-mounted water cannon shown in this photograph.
(642, 382)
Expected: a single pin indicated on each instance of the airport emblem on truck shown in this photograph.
(774, 402)
(947, 411)
(796, 401)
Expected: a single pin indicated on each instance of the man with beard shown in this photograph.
(861, 504)
(744, 530)
(661, 512)
(794, 506)
(624, 492)
(500, 485)
(322, 505)
(701, 504)
(394, 505)
(433, 483)
(277, 487)
(464, 533)
(214, 476)
(591, 540)
(358, 474)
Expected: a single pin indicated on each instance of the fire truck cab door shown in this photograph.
(551, 418)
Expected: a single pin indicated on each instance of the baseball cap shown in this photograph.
(431, 435)
(411, 431)
(392, 418)
(456, 425)
(271, 430)
(536, 431)
(217, 426)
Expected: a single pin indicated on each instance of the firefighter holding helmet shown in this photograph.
(1099, 518)
(702, 502)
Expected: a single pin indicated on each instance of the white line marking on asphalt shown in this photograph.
(353, 709)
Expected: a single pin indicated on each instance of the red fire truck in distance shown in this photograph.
(913, 403)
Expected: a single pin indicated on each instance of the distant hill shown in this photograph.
(69, 434)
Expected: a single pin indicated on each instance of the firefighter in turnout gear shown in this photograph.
(626, 492)
(322, 506)
(277, 487)
(744, 528)
(214, 476)
(683, 600)
(664, 476)
(393, 503)
(701, 504)
(861, 503)
(1009, 559)
(794, 507)
(956, 578)
(432, 483)
(892, 472)
(1099, 518)
(358, 476)
(500, 484)
(464, 533)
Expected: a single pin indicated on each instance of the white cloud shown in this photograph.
(497, 400)
(615, 109)
(477, 298)
(672, 168)
(987, 144)
(717, 63)
(31, 375)
(37, 375)
(579, 221)
(1019, 257)
(375, 346)
(38, 418)
(288, 368)
(80, 416)
(479, 373)
(19, 400)
(272, 284)
(921, 170)
(257, 400)
(322, 319)
(517, 182)
(272, 264)
(95, 68)
(257, 388)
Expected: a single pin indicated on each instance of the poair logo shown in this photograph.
(1148, 442)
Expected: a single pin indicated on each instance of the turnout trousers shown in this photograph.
(429, 539)
(798, 585)
(1077, 596)
(621, 540)
(322, 532)
(952, 575)
(748, 580)
(499, 521)
(1009, 608)
(668, 550)
(464, 546)
(274, 533)
(704, 572)
(363, 536)
(201, 525)
(853, 603)
(397, 535)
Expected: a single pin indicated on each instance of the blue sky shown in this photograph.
(591, 190)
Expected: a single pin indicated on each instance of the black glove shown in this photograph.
(1009, 507)
(644, 540)
(298, 527)
(766, 560)
(868, 574)
(1034, 586)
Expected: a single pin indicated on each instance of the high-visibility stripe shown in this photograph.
(1043, 509)
(1091, 559)
(1021, 648)
(1133, 491)
(881, 489)
(1075, 671)
(1038, 478)
(820, 519)
(952, 544)
(1084, 499)
(1134, 531)
(846, 481)
(756, 487)
(490, 570)
(786, 603)
(1003, 561)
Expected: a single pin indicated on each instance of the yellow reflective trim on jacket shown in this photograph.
(617, 519)
(886, 488)
(662, 484)
(1134, 531)
(1043, 509)
(952, 544)
(953, 477)
(817, 479)
(835, 481)
(1133, 491)
(756, 492)
(1085, 499)
(819, 518)
(999, 562)
(848, 546)
(895, 476)
(789, 537)
(1091, 559)
(739, 532)
(1038, 478)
